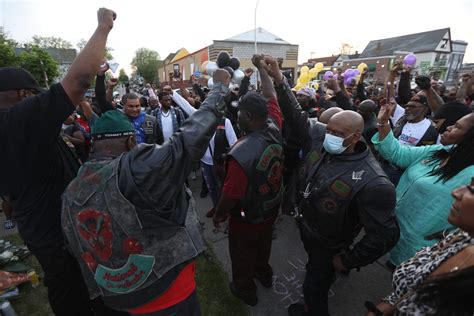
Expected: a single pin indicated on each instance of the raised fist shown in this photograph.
(106, 17)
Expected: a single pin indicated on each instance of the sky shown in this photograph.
(318, 27)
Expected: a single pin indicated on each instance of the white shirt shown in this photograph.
(413, 132)
(397, 114)
(231, 139)
(229, 130)
(167, 125)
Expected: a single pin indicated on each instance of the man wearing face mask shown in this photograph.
(342, 189)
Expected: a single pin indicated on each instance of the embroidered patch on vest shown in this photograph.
(357, 175)
(270, 152)
(274, 176)
(271, 204)
(329, 205)
(127, 278)
(341, 188)
(263, 189)
(313, 157)
(95, 229)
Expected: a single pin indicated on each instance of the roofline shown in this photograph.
(234, 41)
(383, 39)
(366, 58)
(188, 55)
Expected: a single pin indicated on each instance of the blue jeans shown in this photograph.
(213, 184)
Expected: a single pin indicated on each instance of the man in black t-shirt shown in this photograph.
(36, 167)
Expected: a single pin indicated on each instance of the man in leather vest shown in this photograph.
(130, 221)
(342, 189)
(253, 189)
(146, 126)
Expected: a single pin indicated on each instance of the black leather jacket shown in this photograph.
(344, 193)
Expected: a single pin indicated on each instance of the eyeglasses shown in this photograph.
(413, 106)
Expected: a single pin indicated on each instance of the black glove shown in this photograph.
(423, 82)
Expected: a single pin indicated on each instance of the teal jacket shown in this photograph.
(423, 205)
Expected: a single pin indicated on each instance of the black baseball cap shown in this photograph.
(254, 103)
(12, 78)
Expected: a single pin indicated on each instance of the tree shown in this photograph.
(123, 78)
(81, 44)
(345, 49)
(50, 42)
(8, 57)
(147, 62)
(40, 63)
(108, 55)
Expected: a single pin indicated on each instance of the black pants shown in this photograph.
(188, 307)
(319, 276)
(67, 291)
(249, 254)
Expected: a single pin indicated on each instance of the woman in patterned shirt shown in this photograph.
(438, 280)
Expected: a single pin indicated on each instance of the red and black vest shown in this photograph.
(260, 154)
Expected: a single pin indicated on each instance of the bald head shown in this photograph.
(350, 120)
(368, 105)
(327, 114)
(367, 109)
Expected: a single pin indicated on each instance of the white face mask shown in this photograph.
(334, 144)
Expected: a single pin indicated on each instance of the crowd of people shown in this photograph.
(100, 192)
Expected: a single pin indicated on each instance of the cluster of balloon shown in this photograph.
(409, 60)
(307, 74)
(350, 75)
(224, 61)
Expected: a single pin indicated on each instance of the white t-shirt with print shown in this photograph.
(413, 132)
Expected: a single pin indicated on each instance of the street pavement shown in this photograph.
(288, 259)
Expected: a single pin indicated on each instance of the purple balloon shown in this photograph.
(349, 81)
(350, 73)
(328, 74)
(409, 60)
(335, 76)
(356, 72)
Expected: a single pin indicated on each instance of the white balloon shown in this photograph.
(210, 83)
(211, 68)
(238, 76)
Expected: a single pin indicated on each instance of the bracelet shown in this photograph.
(382, 124)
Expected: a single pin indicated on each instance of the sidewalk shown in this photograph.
(288, 259)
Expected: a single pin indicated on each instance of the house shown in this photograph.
(437, 55)
(64, 57)
(241, 46)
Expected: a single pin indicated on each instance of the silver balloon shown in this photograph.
(211, 68)
(210, 83)
(238, 76)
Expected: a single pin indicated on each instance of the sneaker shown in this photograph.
(9, 224)
(211, 212)
(248, 299)
(266, 282)
(297, 310)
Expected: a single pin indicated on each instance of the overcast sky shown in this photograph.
(318, 27)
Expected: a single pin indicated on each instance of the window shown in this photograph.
(444, 43)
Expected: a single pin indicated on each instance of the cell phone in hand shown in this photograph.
(387, 93)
